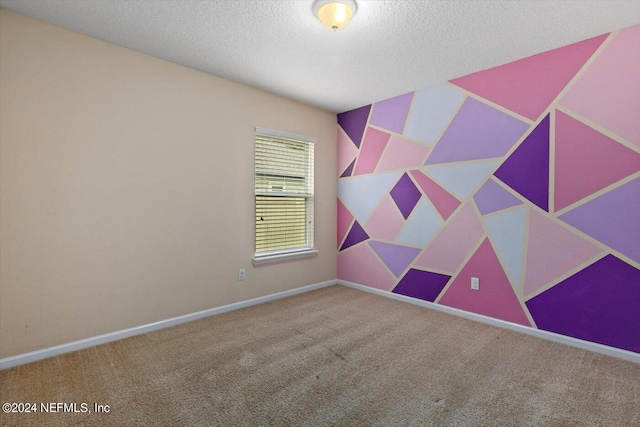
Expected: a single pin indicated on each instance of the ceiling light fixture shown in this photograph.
(334, 14)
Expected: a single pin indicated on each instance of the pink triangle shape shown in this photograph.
(344, 221)
(552, 251)
(608, 93)
(454, 243)
(587, 161)
(360, 264)
(528, 86)
(347, 150)
(443, 201)
(386, 221)
(372, 147)
(402, 154)
(495, 297)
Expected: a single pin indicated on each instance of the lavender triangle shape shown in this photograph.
(391, 113)
(613, 219)
(492, 198)
(396, 257)
(478, 131)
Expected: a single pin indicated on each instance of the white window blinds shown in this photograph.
(283, 192)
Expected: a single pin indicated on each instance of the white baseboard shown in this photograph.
(550, 336)
(21, 359)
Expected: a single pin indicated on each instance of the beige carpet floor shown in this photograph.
(334, 356)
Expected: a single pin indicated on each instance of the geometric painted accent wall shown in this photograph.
(526, 175)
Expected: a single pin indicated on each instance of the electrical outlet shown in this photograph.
(475, 283)
(241, 274)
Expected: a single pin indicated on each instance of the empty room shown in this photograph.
(319, 212)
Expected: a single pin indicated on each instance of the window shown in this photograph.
(283, 195)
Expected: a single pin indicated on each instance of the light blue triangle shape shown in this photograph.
(361, 194)
(506, 233)
(431, 111)
(421, 226)
(462, 178)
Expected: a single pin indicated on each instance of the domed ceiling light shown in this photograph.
(334, 14)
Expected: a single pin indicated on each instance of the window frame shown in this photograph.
(285, 254)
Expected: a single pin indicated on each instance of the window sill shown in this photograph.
(269, 259)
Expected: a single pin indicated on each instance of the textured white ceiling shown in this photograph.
(389, 48)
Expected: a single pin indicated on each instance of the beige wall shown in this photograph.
(126, 188)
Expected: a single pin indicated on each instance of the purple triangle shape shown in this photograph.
(597, 304)
(423, 285)
(353, 122)
(355, 236)
(527, 168)
(347, 172)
